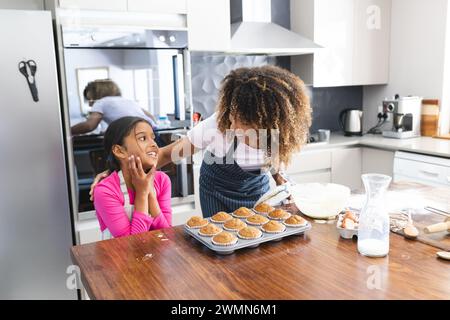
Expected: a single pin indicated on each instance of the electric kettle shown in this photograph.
(350, 121)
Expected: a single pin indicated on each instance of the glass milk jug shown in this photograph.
(373, 229)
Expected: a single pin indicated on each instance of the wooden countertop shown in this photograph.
(168, 264)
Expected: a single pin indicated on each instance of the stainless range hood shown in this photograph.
(257, 34)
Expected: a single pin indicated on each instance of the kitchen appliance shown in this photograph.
(350, 121)
(35, 216)
(404, 116)
(151, 66)
(253, 18)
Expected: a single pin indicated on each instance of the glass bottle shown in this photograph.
(373, 229)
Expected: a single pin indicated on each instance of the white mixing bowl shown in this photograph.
(320, 200)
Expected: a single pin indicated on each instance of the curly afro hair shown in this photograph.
(267, 97)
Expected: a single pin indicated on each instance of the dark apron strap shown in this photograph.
(226, 186)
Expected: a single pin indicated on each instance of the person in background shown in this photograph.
(134, 198)
(105, 98)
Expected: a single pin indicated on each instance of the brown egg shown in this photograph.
(350, 215)
(348, 223)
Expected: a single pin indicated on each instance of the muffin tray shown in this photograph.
(242, 243)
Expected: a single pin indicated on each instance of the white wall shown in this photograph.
(418, 57)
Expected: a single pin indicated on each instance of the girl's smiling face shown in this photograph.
(141, 143)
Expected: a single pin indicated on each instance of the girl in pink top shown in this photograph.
(132, 155)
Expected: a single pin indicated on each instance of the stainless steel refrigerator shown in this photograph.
(35, 218)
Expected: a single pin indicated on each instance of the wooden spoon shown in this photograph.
(410, 231)
(443, 255)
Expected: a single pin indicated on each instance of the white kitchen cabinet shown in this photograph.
(107, 5)
(346, 167)
(183, 209)
(208, 23)
(371, 49)
(158, 6)
(147, 6)
(308, 161)
(88, 230)
(377, 161)
(355, 36)
(315, 176)
(310, 166)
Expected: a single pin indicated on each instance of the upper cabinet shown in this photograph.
(355, 36)
(109, 5)
(149, 6)
(208, 23)
(158, 6)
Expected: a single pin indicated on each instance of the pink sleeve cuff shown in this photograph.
(160, 222)
(141, 222)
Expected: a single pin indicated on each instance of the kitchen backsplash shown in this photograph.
(207, 74)
(209, 70)
(327, 104)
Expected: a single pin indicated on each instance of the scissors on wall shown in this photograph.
(28, 69)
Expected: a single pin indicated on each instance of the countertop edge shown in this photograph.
(338, 140)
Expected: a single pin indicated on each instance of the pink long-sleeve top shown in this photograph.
(109, 205)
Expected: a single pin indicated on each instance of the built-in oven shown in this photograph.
(151, 68)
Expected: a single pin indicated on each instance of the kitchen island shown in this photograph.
(168, 264)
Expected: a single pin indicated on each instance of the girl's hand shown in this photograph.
(97, 179)
(142, 182)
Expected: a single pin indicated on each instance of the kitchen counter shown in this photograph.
(423, 145)
(168, 264)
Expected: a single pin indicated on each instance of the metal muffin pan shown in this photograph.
(242, 243)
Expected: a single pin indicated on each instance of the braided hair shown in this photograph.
(267, 97)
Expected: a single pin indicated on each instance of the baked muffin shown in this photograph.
(221, 217)
(243, 212)
(196, 222)
(295, 221)
(209, 230)
(249, 233)
(257, 220)
(273, 227)
(234, 224)
(263, 208)
(224, 239)
(279, 214)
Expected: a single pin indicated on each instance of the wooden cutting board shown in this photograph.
(423, 219)
(444, 136)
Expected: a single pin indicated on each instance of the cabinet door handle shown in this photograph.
(429, 173)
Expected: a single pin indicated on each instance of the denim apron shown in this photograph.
(106, 235)
(226, 186)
